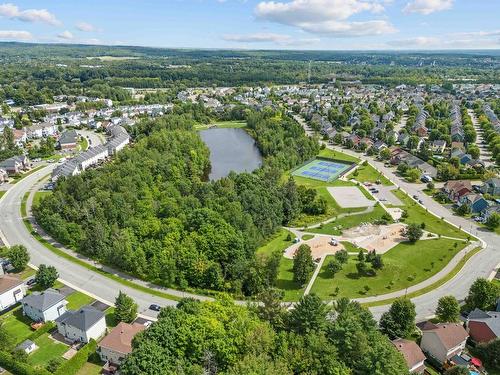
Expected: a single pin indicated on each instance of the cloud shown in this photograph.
(257, 38)
(281, 39)
(326, 17)
(85, 26)
(15, 35)
(426, 7)
(469, 40)
(11, 11)
(65, 35)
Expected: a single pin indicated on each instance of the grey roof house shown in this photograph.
(82, 325)
(44, 306)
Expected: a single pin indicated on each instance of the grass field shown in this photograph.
(83, 143)
(222, 124)
(418, 214)
(90, 368)
(332, 154)
(366, 173)
(350, 221)
(77, 300)
(2, 193)
(404, 265)
(47, 350)
(292, 290)
(39, 195)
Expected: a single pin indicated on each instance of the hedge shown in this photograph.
(18, 368)
(47, 327)
(73, 365)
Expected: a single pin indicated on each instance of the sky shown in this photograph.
(249, 24)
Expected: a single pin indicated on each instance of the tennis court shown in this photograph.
(323, 170)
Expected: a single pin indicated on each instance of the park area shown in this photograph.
(323, 169)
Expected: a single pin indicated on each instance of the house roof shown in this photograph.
(450, 334)
(82, 319)
(68, 137)
(411, 351)
(43, 300)
(26, 344)
(120, 337)
(8, 282)
(490, 318)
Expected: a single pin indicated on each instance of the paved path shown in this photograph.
(315, 274)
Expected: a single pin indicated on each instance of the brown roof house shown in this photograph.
(118, 343)
(483, 326)
(412, 353)
(457, 189)
(12, 290)
(443, 341)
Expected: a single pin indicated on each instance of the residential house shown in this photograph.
(41, 130)
(457, 189)
(491, 186)
(483, 326)
(12, 290)
(20, 137)
(82, 325)
(443, 341)
(15, 164)
(491, 210)
(379, 145)
(421, 130)
(412, 354)
(68, 140)
(398, 155)
(476, 202)
(118, 343)
(44, 306)
(458, 146)
(438, 146)
(403, 139)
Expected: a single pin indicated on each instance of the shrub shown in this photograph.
(18, 368)
(72, 366)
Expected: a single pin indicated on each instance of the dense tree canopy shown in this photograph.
(153, 214)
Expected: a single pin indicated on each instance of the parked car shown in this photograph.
(155, 307)
(420, 201)
(415, 197)
(375, 191)
(31, 282)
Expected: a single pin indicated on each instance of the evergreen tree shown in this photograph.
(125, 308)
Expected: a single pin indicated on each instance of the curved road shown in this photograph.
(13, 231)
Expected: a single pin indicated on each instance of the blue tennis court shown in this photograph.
(322, 170)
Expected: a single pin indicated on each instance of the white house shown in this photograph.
(443, 341)
(118, 343)
(44, 306)
(41, 130)
(12, 290)
(82, 325)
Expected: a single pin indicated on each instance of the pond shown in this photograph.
(231, 149)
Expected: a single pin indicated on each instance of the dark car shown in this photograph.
(31, 282)
(420, 201)
(155, 307)
(415, 197)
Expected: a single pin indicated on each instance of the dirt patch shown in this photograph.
(380, 238)
(320, 246)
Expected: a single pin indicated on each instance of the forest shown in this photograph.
(33, 74)
(221, 337)
(152, 212)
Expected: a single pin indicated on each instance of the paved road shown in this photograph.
(484, 154)
(14, 232)
(480, 265)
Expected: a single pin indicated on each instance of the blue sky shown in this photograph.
(281, 24)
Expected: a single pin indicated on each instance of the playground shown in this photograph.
(323, 170)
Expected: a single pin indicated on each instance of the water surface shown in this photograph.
(231, 149)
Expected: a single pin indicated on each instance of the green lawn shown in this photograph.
(285, 275)
(26, 174)
(333, 154)
(366, 173)
(418, 214)
(47, 350)
(307, 237)
(90, 369)
(83, 143)
(27, 273)
(404, 265)
(77, 300)
(350, 221)
(17, 325)
(222, 124)
(2, 192)
(39, 195)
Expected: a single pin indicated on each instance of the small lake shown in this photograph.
(231, 149)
